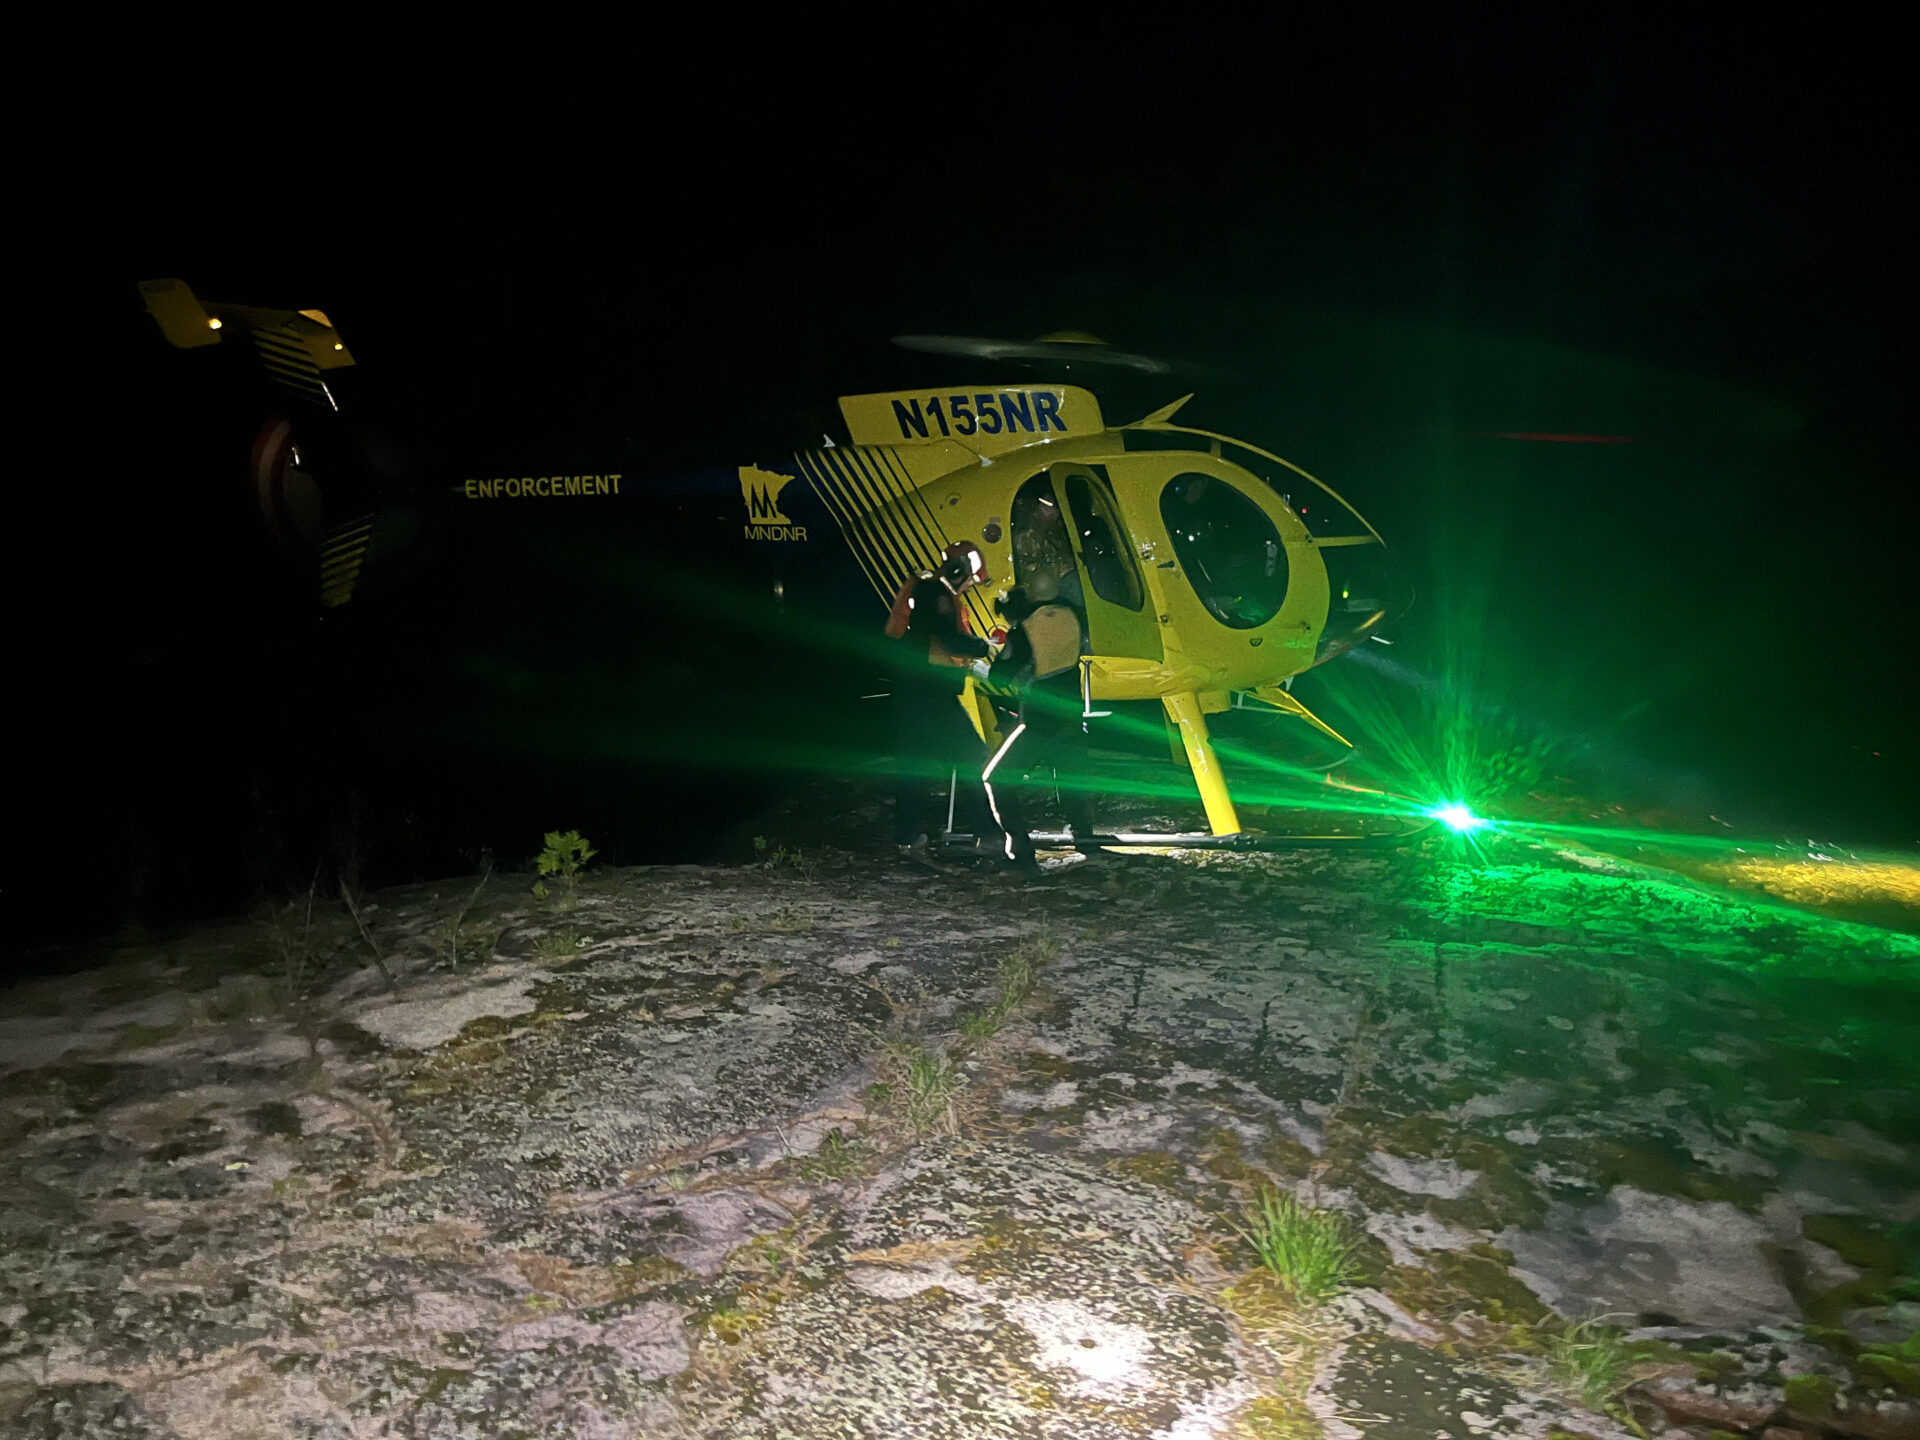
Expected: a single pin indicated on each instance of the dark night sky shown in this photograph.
(1376, 223)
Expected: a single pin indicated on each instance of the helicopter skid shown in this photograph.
(960, 844)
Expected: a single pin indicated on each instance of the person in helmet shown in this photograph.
(932, 736)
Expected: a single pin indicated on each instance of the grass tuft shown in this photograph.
(1591, 1359)
(927, 1084)
(1014, 978)
(1310, 1252)
(983, 1024)
(557, 944)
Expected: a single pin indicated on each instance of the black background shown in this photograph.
(1380, 243)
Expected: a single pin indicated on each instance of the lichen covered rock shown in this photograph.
(660, 1180)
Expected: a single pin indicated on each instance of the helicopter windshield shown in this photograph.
(1366, 587)
(1229, 550)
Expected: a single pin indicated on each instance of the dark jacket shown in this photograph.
(936, 641)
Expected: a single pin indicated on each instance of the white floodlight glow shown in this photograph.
(1457, 818)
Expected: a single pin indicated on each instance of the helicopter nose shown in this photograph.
(1367, 587)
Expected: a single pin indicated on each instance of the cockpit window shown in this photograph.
(1325, 514)
(1228, 548)
(1103, 545)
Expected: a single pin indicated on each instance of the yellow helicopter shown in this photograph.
(1211, 571)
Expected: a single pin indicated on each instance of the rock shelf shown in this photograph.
(645, 1166)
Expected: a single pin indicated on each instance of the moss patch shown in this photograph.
(1660, 1173)
(1287, 1156)
(1260, 1301)
(275, 1117)
(460, 1054)
(358, 1043)
(1829, 1307)
(138, 1037)
(1864, 1245)
(1280, 1417)
(1264, 1308)
(1457, 1285)
(440, 1380)
(733, 1320)
(1007, 1248)
(653, 1269)
(1501, 1193)
(1884, 1368)
(1714, 1367)
(1155, 1167)
(1841, 1342)
(1220, 1154)
(1812, 1395)
(1502, 1296)
(1037, 1064)
(484, 1027)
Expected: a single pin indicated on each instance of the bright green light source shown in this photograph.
(1456, 817)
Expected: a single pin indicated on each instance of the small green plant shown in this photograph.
(788, 919)
(1590, 1359)
(297, 949)
(732, 1323)
(1014, 979)
(451, 929)
(566, 855)
(557, 945)
(838, 1156)
(464, 942)
(928, 1083)
(1309, 1251)
(781, 856)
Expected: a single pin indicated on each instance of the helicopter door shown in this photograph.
(1118, 620)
